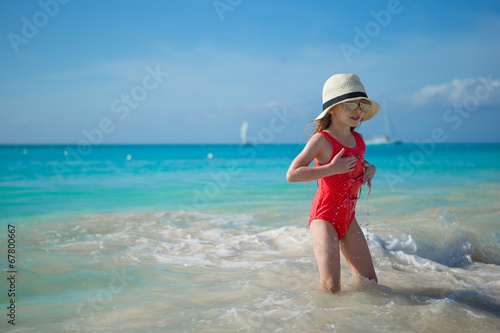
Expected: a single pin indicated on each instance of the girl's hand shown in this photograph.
(340, 165)
(369, 172)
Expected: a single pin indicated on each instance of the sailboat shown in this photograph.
(243, 133)
(384, 139)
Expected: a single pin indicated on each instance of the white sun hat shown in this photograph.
(343, 88)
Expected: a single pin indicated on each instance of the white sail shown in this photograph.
(384, 139)
(243, 132)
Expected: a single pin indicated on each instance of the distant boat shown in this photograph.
(243, 133)
(380, 140)
(384, 139)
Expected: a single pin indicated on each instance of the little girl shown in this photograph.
(341, 171)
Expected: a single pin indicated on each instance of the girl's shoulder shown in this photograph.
(319, 138)
(320, 147)
(319, 141)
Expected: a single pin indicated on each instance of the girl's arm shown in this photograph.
(300, 171)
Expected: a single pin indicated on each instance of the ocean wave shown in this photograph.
(219, 236)
(228, 271)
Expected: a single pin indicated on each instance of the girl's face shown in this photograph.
(351, 119)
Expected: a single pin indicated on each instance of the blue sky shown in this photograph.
(193, 71)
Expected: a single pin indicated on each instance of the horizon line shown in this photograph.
(212, 143)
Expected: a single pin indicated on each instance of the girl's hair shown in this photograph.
(322, 124)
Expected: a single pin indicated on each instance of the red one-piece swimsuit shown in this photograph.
(335, 199)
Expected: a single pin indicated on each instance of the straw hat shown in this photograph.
(343, 88)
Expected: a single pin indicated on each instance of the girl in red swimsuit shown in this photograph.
(341, 171)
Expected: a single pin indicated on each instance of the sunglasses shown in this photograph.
(364, 105)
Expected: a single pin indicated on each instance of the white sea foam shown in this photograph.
(395, 244)
(231, 273)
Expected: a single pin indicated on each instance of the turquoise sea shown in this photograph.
(212, 238)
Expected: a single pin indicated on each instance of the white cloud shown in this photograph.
(485, 89)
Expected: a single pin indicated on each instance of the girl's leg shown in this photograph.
(326, 249)
(356, 253)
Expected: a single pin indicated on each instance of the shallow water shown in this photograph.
(150, 245)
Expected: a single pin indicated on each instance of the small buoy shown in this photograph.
(129, 157)
(210, 156)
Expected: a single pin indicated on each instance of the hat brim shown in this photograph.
(366, 116)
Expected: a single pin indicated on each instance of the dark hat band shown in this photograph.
(340, 98)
